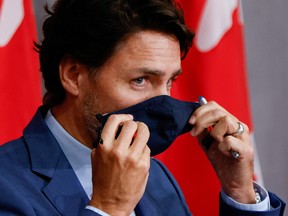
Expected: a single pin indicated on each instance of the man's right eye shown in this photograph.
(139, 81)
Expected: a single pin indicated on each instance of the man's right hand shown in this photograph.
(120, 167)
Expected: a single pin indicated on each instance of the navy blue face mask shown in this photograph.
(166, 118)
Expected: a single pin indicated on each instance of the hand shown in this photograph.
(235, 175)
(120, 167)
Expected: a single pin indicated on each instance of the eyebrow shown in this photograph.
(150, 71)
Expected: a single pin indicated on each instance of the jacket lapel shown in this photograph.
(63, 188)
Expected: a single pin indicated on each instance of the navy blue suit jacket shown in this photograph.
(37, 179)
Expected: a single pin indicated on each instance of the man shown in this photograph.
(99, 57)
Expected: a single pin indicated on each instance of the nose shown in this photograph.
(161, 90)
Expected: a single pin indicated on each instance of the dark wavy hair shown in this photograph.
(90, 30)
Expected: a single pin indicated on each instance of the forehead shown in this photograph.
(148, 48)
(149, 41)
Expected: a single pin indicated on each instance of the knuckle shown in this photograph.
(118, 118)
(143, 125)
(145, 166)
(196, 113)
(213, 103)
(116, 153)
(214, 133)
(133, 160)
(222, 146)
(147, 150)
(216, 113)
(227, 119)
(131, 124)
(246, 128)
(217, 137)
(228, 139)
(113, 117)
(103, 148)
(143, 128)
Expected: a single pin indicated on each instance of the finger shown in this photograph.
(245, 133)
(145, 161)
(206, 120)
(232, 144)
(140, 140)
(211, 105)
(147, 152)
(229, 144)
(225, 126)
(146, 156)
(111, 127)
(126, 135)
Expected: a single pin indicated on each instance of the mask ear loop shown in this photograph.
(99, 131)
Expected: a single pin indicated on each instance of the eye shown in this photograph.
(139, 81)
(171, 81)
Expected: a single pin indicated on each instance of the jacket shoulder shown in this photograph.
(12, 147)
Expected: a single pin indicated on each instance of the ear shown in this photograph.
(69, 76)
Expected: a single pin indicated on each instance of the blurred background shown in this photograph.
(266, 38)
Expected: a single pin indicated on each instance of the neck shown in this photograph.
(70, 119)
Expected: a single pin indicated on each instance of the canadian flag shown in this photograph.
(214, 68)
(20, 83)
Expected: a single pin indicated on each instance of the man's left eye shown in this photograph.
(171, 81)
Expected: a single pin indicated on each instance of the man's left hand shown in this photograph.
(235, 174)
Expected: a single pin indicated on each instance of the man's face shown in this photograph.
(143, 66)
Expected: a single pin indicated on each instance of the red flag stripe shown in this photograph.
(219, 74)
(20, 83)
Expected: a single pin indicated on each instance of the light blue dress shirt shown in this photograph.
(79, 156)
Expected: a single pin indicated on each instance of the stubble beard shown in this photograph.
(90, 108)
